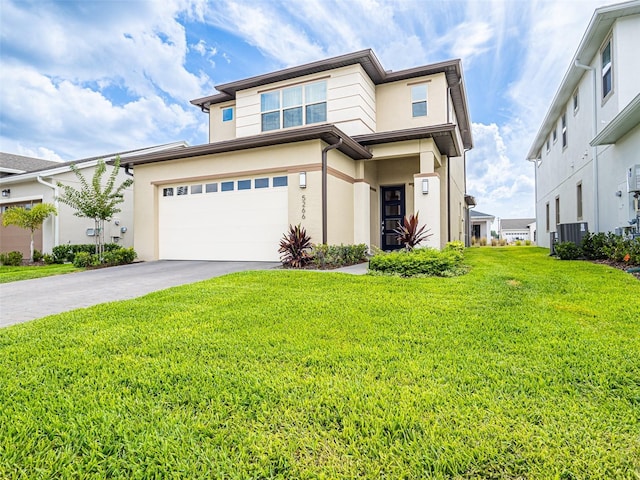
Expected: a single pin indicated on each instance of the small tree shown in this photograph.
(93, 200)
(30, 219)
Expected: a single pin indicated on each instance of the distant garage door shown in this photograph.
(228, 220)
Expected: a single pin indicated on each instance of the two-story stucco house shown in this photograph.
(587, 149)
(341, 146)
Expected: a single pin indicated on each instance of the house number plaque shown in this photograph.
(304, 205)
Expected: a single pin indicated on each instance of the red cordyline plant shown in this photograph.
(410, 234)
(295, 247)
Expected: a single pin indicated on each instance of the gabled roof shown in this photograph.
(11, 163)
(477, 215)
(328, 133)
(58, 167)
(515, 223)
(371, 65)
(599, 27)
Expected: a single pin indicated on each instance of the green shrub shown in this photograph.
(567, 251)
(66, 252)
(596, 245)
(121, 256)
(422, 261)
(84, 260)
(37, 255)
(48, 259)
(518, 243)
(456, 246)
(334, 256)
(11, 259)
(527, 243)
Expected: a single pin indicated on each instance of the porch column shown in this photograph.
(426, 201)
(361, 213)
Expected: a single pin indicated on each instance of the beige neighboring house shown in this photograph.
(512, 229)
(341, 146)
(481, 224)
(26, 181)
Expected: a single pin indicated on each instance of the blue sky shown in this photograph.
(86, 78)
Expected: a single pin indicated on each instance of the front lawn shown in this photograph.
(13, 274)
(526, 367)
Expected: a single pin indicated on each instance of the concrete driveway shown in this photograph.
(30, 299)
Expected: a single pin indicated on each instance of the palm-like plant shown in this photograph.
(410, 234)
(295, 247)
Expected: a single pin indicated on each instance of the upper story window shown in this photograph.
(564, 130)
(606, 70)
(294, 106)
(227, 114)
(555, 134)
(576, 102)
(548, 146)
(419, 100)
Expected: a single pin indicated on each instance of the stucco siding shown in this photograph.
(218, 129)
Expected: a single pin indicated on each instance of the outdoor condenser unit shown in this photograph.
(633, 179)
(572, 232)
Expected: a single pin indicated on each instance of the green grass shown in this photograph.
(526, 367)
(13, 274)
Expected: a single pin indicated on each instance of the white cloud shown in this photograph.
(468, 40)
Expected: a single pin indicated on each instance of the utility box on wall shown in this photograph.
(633, 179)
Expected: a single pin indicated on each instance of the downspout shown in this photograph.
(467, 227)
(127, 170)
(56, 224)
(324, 188)
(594, 149)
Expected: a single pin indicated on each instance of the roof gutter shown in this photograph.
(324, 187)
(594, 148)
(56, 203)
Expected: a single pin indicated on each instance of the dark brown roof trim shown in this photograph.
(370, 63)
(328, 133)
(443, 135)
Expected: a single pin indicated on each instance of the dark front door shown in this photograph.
(393, 211)
(476, 231)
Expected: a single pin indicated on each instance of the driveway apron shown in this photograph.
(30, 299)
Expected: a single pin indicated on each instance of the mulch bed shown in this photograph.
(619, 265)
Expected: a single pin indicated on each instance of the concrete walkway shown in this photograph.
(30, 299)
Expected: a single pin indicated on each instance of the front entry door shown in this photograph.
(393, 211)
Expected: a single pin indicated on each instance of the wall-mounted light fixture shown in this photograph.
(425, 186)
(6, 192)
(303, 179)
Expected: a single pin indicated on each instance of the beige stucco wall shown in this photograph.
(72, 229)
(393, 103)
(457, 192)
(350, 101)
(219, 130)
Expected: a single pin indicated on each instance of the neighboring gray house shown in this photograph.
(512, 229)
(26, 181)
(481, 224)
(587, 164)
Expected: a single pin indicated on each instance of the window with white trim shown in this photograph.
(419, 100)
(607, 74)
(564, 130)
(294, 106)
(227, 114)
(576, 102)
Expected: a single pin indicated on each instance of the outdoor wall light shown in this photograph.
(6, 193)
(303, 179)
(425, 186)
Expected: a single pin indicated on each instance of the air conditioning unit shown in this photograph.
(572, 232)
(633, 179)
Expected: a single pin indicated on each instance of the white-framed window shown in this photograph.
(555, 134)
(294, 106)
(227, 114)
(579, 200)
(576, 102)
(564, 130)
(419, 100)
(548, 145)
(607, 73)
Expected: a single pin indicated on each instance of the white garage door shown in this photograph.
(229, 220)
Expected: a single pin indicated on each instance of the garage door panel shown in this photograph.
(236, 225)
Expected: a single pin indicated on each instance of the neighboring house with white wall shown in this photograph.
(586, 149)
(512, 229)
(481, 225)
(32, 181)
(341, 146)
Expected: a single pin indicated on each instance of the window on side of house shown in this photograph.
(607, 73)
(419, 100)
(548, 219)
(554, 135)
(576, 102)
(227, 114)
(315, 99)
(294, 106)
(579, 200)
(548, 145)
(270, 108)
(564, 130)
(558, 210)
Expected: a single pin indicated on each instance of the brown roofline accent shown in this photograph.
(443, 135)
(328, 133)
(370, 63)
